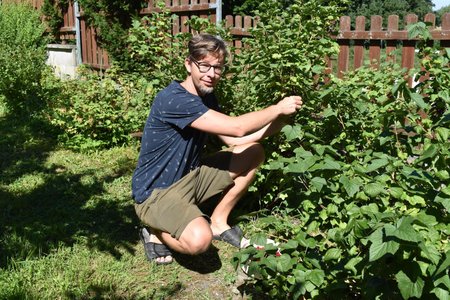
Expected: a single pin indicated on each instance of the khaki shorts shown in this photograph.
(173, 208)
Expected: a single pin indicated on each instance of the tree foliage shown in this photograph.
(385, 8)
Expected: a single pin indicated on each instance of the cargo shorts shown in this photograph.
(172, 209)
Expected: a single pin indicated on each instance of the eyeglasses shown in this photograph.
(205, 67)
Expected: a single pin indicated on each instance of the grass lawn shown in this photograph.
(68, 228)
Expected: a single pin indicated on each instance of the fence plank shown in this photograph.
(84, 40)
(391, 45)
(409, 46)
(446, 30)
(375, 45)
(343, 57)
(360, 25)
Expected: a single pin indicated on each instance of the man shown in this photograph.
(172, 179)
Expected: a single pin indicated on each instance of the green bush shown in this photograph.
(156, 54)
(22, 56)
(98, 112)
(363, 191)
(285, 55)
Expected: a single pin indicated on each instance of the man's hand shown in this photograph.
(290, 105)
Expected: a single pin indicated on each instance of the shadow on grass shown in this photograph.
(55, 212)
(204, 263)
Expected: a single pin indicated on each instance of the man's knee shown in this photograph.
(200, 245)
(196, 239)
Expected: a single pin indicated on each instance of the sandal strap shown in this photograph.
(154, 250)
(232, 236)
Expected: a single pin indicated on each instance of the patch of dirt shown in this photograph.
(210, 275)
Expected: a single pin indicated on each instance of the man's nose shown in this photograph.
(211, 72)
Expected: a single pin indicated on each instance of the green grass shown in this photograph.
(68, 229)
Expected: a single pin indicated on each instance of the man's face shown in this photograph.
(205, 73)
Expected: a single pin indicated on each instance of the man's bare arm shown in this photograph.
(250, 123)
(268, 130)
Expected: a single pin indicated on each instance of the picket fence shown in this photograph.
(357, 45)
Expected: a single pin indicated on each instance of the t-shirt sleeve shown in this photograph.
(181, 109)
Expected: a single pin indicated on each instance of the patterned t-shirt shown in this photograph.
(170, 148)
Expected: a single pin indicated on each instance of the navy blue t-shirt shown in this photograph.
(170, 148)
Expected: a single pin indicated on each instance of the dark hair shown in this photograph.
(201, 45)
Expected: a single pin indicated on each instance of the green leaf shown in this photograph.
(445, 264)
(444, 95)
(259, 239)
(284, 263)
(292, 132)
(374, 189)
(332, 254)
(418, 99)
(444, 281)
(302, 165)
(396, 192)
(441, 294)
(351, 264)
(330, 164)
(378, 247)
(317, 277)
(429, 152)
(318, 183)
(376, 164)
(446, 190)
(304, 241)
(442, 134)
(416, 200)
(290, 244)
(329, 112)
(409, 288)
(430, 252)
(403, 230)
(351, 185)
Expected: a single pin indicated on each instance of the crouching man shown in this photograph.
(172, 178)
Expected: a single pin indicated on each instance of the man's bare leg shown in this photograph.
(243, 166)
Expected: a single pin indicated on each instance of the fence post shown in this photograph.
(76, 9)
(218, 7)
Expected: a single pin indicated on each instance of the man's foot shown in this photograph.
(233, 236)
(155, 251)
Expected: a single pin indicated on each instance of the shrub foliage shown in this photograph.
(22, 56)
(362, 190)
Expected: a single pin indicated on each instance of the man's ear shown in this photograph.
(187, 65)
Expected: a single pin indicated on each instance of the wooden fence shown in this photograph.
(378, 42)
(356, 45)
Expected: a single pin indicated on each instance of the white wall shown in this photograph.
(63, 59)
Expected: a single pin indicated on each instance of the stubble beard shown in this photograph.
(203, 90)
